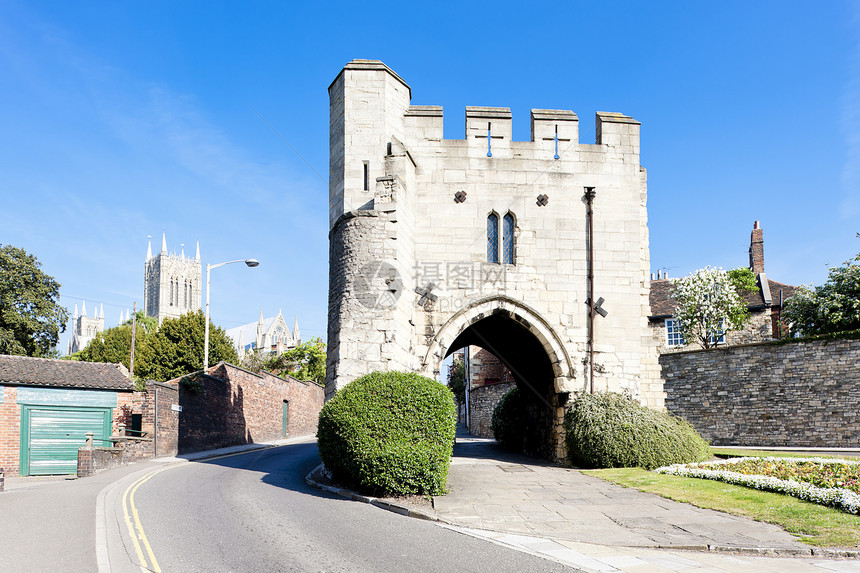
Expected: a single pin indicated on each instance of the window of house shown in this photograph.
(493, 238)
(674, 337)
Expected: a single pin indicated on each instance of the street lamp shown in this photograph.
(250, 263)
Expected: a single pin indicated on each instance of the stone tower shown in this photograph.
(536, 251)
(172, 283)
(85, 328)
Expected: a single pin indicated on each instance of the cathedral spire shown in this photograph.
(148, 248)
(163, 242)
(83, 308)
(197, 256)
(75, 316)
(296, 330)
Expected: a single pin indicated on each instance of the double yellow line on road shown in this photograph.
(135, 529)
(132, 519)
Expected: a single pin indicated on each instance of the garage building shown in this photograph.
(48, 406)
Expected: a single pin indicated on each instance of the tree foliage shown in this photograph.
(831, 307)
(114, 346)
(304, 362)
(709, 303)
(31, 318)
(176, 348)
(457, 380)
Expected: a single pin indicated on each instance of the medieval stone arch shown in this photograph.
(441, 345)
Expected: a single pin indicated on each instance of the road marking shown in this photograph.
(140, 536)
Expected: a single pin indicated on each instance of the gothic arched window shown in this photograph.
(492, 238)
(171, 293)
(508, 239)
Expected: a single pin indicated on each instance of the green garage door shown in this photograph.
(51, 436)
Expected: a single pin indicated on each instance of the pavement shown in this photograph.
(593, 525)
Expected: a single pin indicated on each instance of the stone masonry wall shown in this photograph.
(482, 402)
(770, 394)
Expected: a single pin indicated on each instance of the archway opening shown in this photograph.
(530, 367)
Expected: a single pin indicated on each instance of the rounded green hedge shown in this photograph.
(609, 430)
(509, 421)
(389, 433)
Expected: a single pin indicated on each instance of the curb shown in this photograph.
(386, 505)
(819, 552)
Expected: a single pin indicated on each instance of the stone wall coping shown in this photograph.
(780, 342)
(359, 64)
(488, 112)
(554, 115)
(615, 117)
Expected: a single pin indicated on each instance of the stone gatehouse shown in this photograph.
(534, 250)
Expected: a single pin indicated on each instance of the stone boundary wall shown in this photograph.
(482, 402)
(803, 394)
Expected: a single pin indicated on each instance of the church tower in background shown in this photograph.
(172, 283)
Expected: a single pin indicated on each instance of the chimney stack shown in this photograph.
(757, 249)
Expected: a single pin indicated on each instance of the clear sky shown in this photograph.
(120, 120)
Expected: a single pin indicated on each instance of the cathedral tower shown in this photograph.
(172, 283)
(85, 328)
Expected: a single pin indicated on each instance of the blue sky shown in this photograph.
(122, 120)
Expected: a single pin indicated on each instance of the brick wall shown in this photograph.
(769, 394)
(10, 430)
(235, 406)
(482, 402)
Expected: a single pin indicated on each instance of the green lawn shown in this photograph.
(742, 453)
(813, 524)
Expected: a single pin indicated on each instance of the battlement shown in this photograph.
(550, 128)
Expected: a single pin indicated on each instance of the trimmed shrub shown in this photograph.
(610, 431)
(509, 421)
(389, 433)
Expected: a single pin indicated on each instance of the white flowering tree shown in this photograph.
(831, 307)
(710, 303)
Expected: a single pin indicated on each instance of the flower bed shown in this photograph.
(835, 483)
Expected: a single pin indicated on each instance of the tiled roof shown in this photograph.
(662, 304)
(25, 371)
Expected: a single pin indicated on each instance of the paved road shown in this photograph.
(253, 512)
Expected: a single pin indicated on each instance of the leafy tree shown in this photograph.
(710, 303)
(176, 348)
(114, 345)
(149, 323)
(31, 318)
(457, 382)
(304, 362)
(831, 307)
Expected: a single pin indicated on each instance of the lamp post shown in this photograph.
(248, 262)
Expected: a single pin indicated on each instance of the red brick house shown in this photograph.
(48, 406)
(764, 305)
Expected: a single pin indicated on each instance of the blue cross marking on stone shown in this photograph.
(490, 137)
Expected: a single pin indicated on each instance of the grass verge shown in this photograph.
(814, 524)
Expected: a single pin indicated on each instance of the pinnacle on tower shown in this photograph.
(197, 256)
(102, 310)
(75, 316)
(148, 249)
(83, 308)
(163, 242)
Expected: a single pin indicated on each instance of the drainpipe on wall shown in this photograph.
(589, 198)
